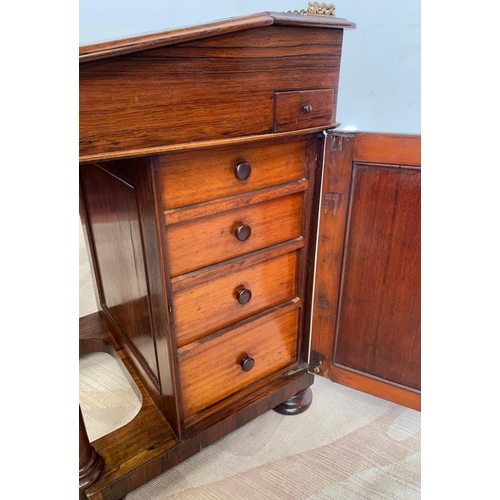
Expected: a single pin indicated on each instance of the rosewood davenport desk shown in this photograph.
(202, 152)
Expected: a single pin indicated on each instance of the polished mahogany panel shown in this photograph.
(113, 48)
(214, 88)
(339, 148)
(208, 240)
(379, 316)
(211, 369)
(366, 320)
(395, 149)
(113, 214)
(235, 294)
(198, 176)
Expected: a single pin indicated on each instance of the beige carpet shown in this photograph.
(348, 445)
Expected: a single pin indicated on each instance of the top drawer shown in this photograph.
(193, 177)
(303, 109)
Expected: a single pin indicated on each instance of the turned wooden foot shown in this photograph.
(91, 464)
(296, 404)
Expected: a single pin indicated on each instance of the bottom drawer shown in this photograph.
(215, 367)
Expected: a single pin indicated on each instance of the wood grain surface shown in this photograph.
(366, 320)
(210, 368)
(209, 305)
(194, 177)
(215, 88)
(198, 145)
(140, 43)
(376, 387)
(112, 210)
(209, 240)
(379, 319)
(333, 215)
(303, 109)
(207, 208)
(397, 149)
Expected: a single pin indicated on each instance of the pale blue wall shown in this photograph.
(108, 19)
(380, 73)
(379, 86)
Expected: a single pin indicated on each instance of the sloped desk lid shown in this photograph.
(171, 37)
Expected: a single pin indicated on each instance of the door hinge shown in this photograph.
(314, 368)
(301, 367)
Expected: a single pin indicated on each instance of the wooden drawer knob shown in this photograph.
(243, 170)
(307, 109)
(247, 363)
(243, 296)
(243, 232)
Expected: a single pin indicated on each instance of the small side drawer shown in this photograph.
(303, 109)
(198, 176)
(202, 304)
(214, 368)
(216, 238)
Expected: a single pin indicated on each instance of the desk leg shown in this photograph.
(296, 404)
(91, 464)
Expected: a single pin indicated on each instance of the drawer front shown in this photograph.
(303, 109)
(239, 292)
(206, 241)
(212, 370)
(194, 177)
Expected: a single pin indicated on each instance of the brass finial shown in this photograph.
(316, 9)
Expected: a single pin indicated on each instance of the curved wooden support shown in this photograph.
(91, 464)
(296, 404)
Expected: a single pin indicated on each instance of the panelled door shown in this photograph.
(366, 308)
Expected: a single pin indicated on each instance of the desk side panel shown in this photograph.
(120, 205)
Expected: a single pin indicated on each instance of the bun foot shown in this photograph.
(296, 404)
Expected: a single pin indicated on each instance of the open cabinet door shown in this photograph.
(366, 309)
